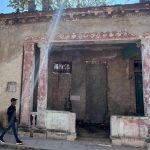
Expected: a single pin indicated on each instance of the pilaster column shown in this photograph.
(146, 73)
(146, 81)
(27, 83)
(43, 85)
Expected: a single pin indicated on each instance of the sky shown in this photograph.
(4, 9)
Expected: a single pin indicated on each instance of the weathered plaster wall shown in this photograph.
(133, 24)
(11, 51)
(8, 73)
(12, 38)
(129, 130)
(120, 99)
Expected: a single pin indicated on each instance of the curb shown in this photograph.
(20, 147)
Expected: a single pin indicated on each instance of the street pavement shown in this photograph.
(51, 144)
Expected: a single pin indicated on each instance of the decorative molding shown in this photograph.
(87, 37)
(36, 39)
(95, 36)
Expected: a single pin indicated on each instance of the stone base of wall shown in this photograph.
(61, 135)
(46, 134)
(148, 146)
(129, 142)
(129, 130)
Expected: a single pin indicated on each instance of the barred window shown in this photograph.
(62, 67)
(11, 86)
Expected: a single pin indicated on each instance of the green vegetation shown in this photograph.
(21, 5)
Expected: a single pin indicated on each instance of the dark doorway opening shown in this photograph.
(139, 87)
(96, 125)
(93, 132)
(36, 76)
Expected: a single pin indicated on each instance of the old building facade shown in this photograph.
(93, 60)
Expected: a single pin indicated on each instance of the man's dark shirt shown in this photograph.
(11, 113)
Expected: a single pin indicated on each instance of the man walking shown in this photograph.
(11, 113)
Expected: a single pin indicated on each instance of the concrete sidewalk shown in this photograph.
(50, 144)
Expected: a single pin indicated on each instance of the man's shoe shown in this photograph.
(2, 141)
(19, 143)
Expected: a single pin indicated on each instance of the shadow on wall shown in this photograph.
(3, 120)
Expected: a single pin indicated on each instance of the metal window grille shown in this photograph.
(11, 86)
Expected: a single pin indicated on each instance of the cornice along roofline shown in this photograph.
(77, 13)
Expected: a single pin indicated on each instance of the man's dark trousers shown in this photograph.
(13, 126)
